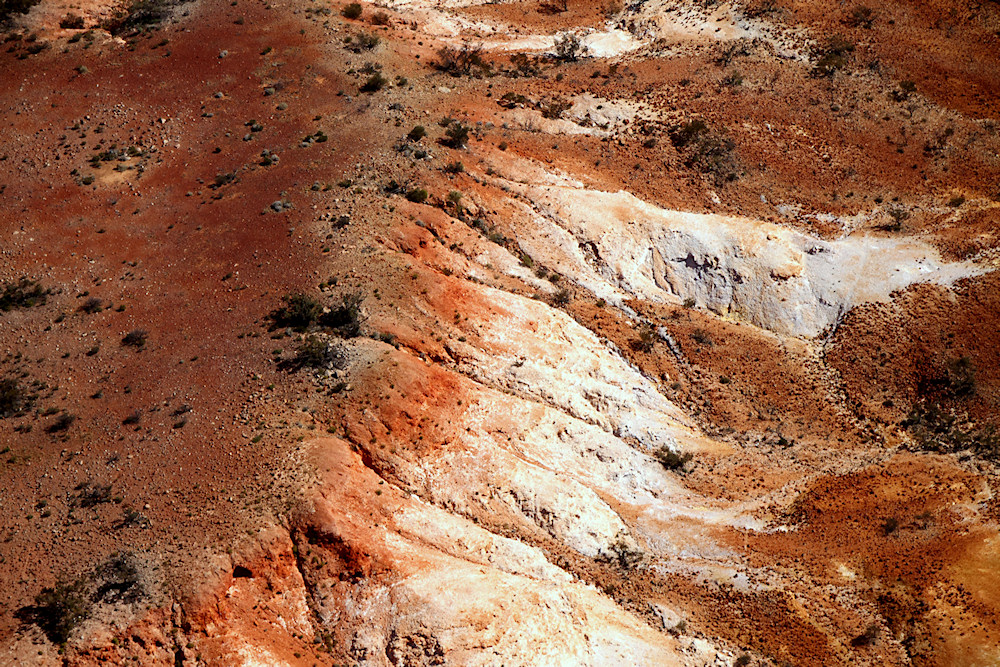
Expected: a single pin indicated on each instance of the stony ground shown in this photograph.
(676, 340)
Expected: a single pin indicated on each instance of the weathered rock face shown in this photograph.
(773, 277)
(521, 448)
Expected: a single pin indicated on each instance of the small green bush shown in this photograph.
(417, 195)
(60, 609)
(375, 83)
(300, 312)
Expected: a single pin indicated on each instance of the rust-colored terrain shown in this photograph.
(518, 333)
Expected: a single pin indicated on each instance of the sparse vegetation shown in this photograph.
(671, 460)
(314, 352)
(60, 609)
(647, 337)
(938, 429)
(300, 312)
(136, 338)
(8, 8)
(417, 133)
(465, 61)
(568, 47)
(832, 56)
(89, 494)
(61, 423)
(346, 318)
(417, 195)
(457, 135)
(14, 399)
(351, 11)
(25, 293)
(139, 14)
(706, 150)
(861, 17)
(375, 83)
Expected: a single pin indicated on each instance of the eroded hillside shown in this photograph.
(505, 333)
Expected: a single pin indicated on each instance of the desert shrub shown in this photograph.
(702, 337)
(417, 195)
(375, 83)
(562, 297)
(465, 61)
(351, 11)
(120, 579)
(417, 133)
(14, 399)
(222, 179)
(647, 337)
(346, 318)
(457, 135)
(832, 56)
(861, 17)
(362, 41)
(899, 216)
(314, 352)
(380, 18)
(706, 150)
(300, 312)
(60, 609)
(671, 460)
(906, 88)
(89, 494)
(24, 293)
(61, 423)
(866, 638)
(937, 429)
(71, 22)
(8, 8)
(525, 65)
(139, 14)
(624, 556)
(92, 305)
(733, 80)
(454, 167)
(568, 47)
(135, 338)
(961, 377)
